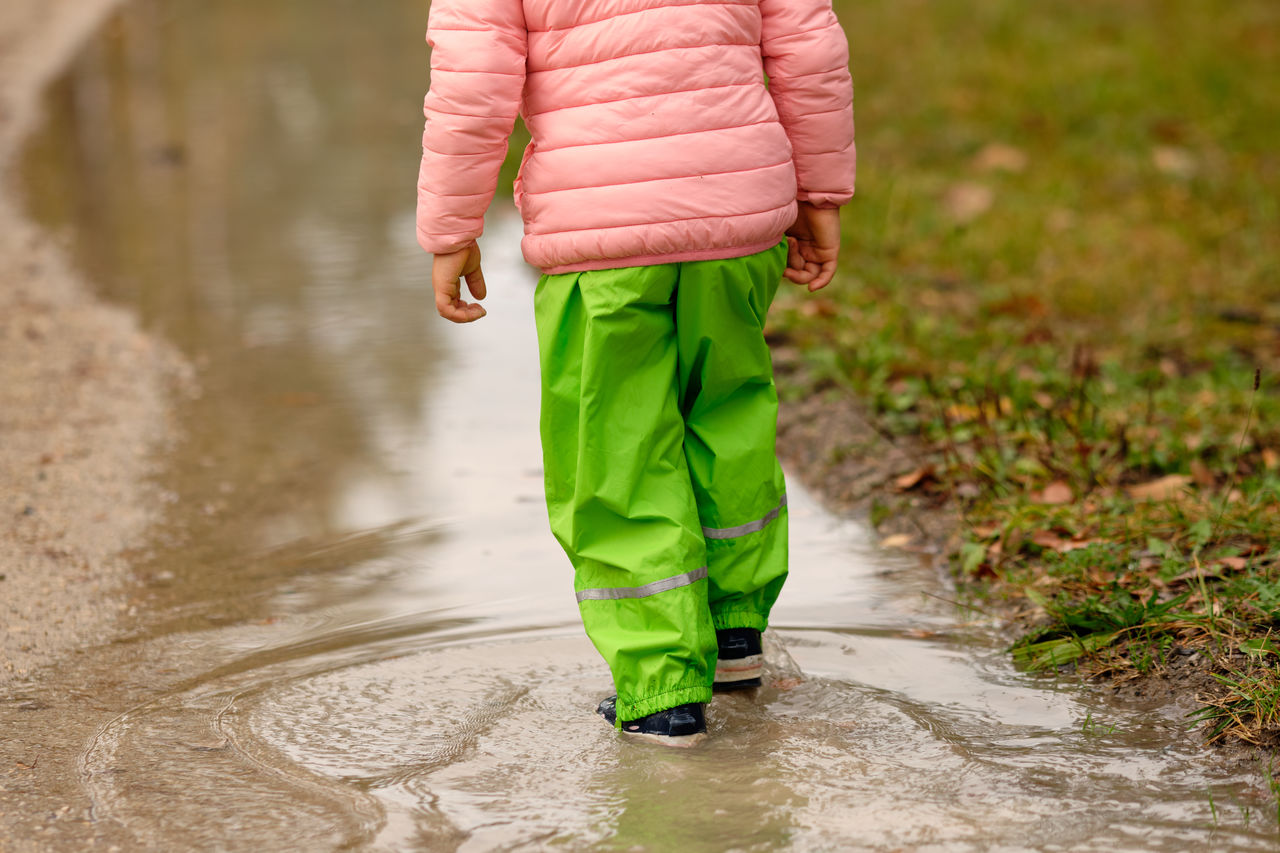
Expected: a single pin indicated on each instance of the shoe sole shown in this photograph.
(674, 741)
(734, 672)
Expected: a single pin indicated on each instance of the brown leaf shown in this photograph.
(910, 480)
(962, 412)
(1174, 161)
(819, 307)
(984, 572)
(1162, 489)
(999, 157)
(967, 200)
(1201, 474)
(897, 540)
(1053, 542)
(1022, 305)
(1056, 493)
(1235, 564)
(1048, 540)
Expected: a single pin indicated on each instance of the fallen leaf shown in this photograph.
(999, 157)
(909, 481)
(1160, 490)
(1201, 474)
(1046, 539)
(819, 307)
(1053, 542)
(1193, 574)
(1056, 493)
(1235, 564)
(967, 200)
(1066, 545)
(962, 412)
(1173, 160)
(1270, 458)
(897, 540)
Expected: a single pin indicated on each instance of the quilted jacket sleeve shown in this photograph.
(477, 76)
(806, 56)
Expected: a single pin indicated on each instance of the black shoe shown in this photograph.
(741, 659)
(683, 725)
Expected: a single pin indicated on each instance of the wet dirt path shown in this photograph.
(353, 630)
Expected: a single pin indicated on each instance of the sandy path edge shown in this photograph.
(84, 394)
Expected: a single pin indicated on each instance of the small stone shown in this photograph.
(28, 510)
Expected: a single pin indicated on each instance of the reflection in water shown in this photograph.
(229, 169)
(378, 632)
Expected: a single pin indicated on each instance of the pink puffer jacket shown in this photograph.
(656, 136)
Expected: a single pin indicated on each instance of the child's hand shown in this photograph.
(446, 274)
(813, 246)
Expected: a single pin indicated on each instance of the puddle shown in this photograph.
(370, 636)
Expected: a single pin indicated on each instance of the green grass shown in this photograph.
(1062, 274)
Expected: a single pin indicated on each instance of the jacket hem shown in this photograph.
(720, 254)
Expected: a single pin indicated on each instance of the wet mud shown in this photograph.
(352, 629)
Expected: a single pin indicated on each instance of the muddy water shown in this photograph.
(355, 629)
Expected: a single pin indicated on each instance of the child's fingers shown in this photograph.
(468, 312)
(445, 302)
(458, 311)
(799, 269)
(824, 276)
(447, 272)
(450, 305)
(475, 283)
(798, 276)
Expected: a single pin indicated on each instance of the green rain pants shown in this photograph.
(659, 417)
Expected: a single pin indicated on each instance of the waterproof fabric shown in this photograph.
(655, 136)
(659, 418)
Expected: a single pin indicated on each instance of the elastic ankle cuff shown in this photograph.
(739, 619)
(628, 711)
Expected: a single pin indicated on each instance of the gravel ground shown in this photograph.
(83, 396)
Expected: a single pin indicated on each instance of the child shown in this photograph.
(686, 155)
